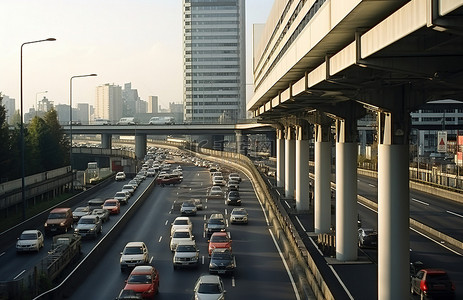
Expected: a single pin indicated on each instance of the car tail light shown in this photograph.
(453, 286)
(423, 286)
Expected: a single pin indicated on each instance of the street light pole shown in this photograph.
(37, 102)
(23, 172)
(70, 123)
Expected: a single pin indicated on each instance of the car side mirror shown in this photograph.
(121, 253)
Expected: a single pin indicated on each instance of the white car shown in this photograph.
(181, 223)
(218, 180)
(122, 197)
(216, 191)
(29, 240)
(209, 287)
(186, 255)
(120, 176)
(234, 176)
(178, 236)
(134, 254)
(129, 188)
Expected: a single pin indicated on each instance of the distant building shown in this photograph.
(83, 113)
(10, 107)
(43, 106)
(214, 66)
(108, 104)
(153, 105)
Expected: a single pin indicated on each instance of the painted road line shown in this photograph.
(17, 276)
(287, 204)
(454, 213)
(160, 238)
(371, 185)
(342, 283)
(421, 202)
(299, 221)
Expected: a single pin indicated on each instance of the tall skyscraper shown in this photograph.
(108, 104)
(9, 106)
(214, 67)
(153, 104)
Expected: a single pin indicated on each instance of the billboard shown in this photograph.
(442, 141)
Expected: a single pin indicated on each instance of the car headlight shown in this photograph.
(62, 224)
(213, 265)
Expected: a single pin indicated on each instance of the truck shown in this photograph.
(64, 250)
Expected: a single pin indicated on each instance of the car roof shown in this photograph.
(434, 271)
(236, 209)
(112, 200)
(216, 216)
(60, 209)
(182, 218)
(187, 242)
(182, 230)
(209, 279)
(134, 244)
(142, 270)
(30, 231)
(89, 217)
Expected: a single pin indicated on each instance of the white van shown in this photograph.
(127, 121)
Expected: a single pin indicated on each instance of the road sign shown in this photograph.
(442, 141)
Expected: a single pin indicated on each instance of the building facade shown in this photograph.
(108, 104)
(153, 105)
(214, 67)
(10, 107)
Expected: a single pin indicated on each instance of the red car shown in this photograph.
(219, 240)
(113, 206)
(432, 284)
(144, 280)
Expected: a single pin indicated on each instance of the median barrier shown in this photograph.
(80, 272)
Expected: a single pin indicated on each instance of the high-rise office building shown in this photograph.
(10, 107)
(153, 104)
(214, 68)
(108, 104)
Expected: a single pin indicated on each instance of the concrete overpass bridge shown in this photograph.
(321, 65)
(209, 133)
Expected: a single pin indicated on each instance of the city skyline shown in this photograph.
(95, 37)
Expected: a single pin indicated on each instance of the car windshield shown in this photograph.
(369, 231)
(28, 236)
(127, 187)
(186, 248)
(81, 209)
(180, 222)
(437, 277)
(110, 203)
(188, 204)
(219, 239)
(139, 278)
(98, 211)
(133, 250)
(216, 221)
(209, 288)
(181, 234)
(221, 256)
(57, 216)
(120, 194)
(239, 212)
(86, 221)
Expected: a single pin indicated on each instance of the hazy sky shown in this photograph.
(137, 41)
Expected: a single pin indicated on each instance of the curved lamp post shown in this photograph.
(70, 122)
(23, 185)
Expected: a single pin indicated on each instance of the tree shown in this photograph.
(62, 143)
(5, 157)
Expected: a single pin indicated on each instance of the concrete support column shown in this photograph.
(322, 184)
(302, 166)
(393, 207)
(346, 191)
(106, 141)
(140, 146)
(239, 141)
(280, 164)
(290, 162)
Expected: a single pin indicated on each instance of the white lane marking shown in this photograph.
(226, 211)
(3, 253)
(299, 221)
(287, 204)
(340, 281)
(315, 245)
(421, 202)
(22, 272)
(233, 281)
(278, 193)
(204, 218)
(167, 221)
(296, 293)
(454, 213)
(202, 258)
(151, 259)
(371, 185)
(437, 242)
(358, 180)
(160, 238)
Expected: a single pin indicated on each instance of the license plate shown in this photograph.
(131, 265)
(221, 272)
(53, 229)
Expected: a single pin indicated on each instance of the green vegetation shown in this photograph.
(46, 147)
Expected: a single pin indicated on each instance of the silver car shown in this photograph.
(209, 287)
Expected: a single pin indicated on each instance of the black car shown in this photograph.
(216, 223)
(233, 185)
(222, 262)
(233, 198)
